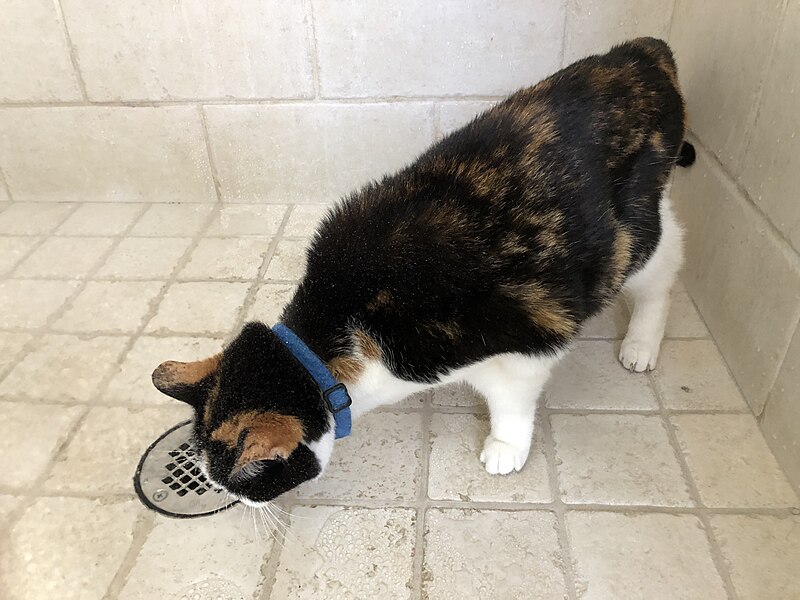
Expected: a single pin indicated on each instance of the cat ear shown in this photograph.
(260, 436)
(181, 380)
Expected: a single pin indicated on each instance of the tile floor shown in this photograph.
(639, 486)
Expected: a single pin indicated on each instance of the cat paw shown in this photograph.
(500, 458)
(636, 355)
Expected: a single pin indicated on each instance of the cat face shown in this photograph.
(261, 426)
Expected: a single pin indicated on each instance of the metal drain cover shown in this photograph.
(169, 481)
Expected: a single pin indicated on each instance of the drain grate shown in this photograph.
(169, 481)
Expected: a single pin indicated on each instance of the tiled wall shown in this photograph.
(302, 100)
(740, 69)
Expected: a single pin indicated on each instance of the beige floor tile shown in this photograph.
(492, 554)
(11, 345)
(64, 257)
(247, 219)
(25, 218)
(456, 472)
(304, 219)
(224, 258)
(168, 567)
(64, 368)
(381, 460)
(199, 308)
(144, 258)
(100, 219)
(103, 455)
(8, 504)
(13, 249)
(164, 220)
(118, 306)
(347, 552)
(653, 556)
(761, 553)
(692, 375)
(731, 463)
(590, 376)
(28, 303)
(457, 394)
(289, 261)
(617, 459)
(132, 383)
(270, 300)
(93, 537)
(611, 323)
(684, 321)
(29, 436)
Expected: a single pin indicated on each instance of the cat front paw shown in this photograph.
(638, 356)
(501, 458)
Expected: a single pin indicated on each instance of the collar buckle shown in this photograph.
(326, 395)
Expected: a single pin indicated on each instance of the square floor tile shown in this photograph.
(590, 376)
(64, 257)
(29, 436)
(617, 459)
(271, 298)
(100, 219)
(653, 556)
(103, 454)
(761, 553)
(731, 463)
(208, 566)
(684, 321)
(381, 460)
(11, 345)
(457, 394)
(195, 307)
(304, 219)
(165, 220)
(22, 218)
(8, 504)
(692, 375)
(132, 383)
(13, 249)
(456, 473)
(29, 303)
(226, 258)
(118, 306)
(347, 552)
(492, 554)
(64, 367)
(93, 538)
(247, 219)
(610, 323)
(144, 258)
(289, 261)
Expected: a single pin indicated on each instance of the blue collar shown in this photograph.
(333, 393)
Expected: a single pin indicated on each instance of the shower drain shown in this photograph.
(169, 481)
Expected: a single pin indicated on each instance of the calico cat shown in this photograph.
(478, 262)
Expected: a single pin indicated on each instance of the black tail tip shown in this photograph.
(687, 155)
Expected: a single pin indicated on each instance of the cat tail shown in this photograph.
(686, 156)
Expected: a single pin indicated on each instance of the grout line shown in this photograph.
(311, 32)
(4, 186)
(563, 53)
(558, 506)
(211, 162)
(672, 20)
(73, 53)
(422, 504)
(142, 528)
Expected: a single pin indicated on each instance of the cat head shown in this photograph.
(261, 426)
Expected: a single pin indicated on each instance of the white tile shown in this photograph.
(22, 218)
(380, 460)
(270, 300)
(492, 554)
(30, 303)
(11, 345)
(289, 261)
(611, 323)
(152, 50)
(92, 536)
(98, 154)
(654, 556)
(352, 552)
(454, 115)
(36, 64)
(100, 219)
(304, 219)
(247, 219)
(29, 437)
(730, 462)
(418, 48)
(226, 258)
(144, 258)
(456, 473)
(131, 383)
(13, 249)
(457, 395)
(65, 257)
(312, 152)
(684, 321)
(118, 306)
(199, 307)
(172, 220)
(590, 376)
(617, 459)
(8, 504)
